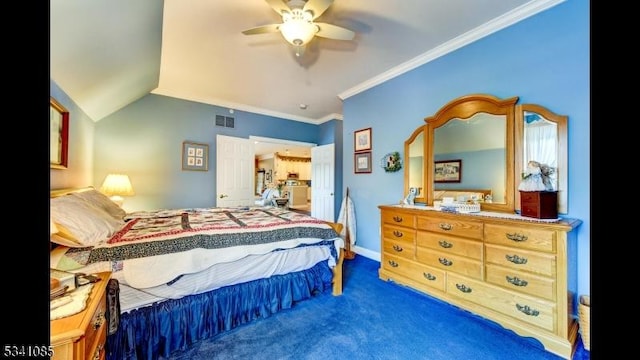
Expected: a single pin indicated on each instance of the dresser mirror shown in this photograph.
(414, 163)
(482, 157)
(543, 138)
(493, 139)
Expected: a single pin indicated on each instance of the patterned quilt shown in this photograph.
(155, 246)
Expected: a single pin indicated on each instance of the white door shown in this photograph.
(323, 182)
(235, 167)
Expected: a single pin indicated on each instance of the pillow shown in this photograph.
(101, 201)
(81, 222)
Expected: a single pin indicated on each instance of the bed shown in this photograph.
(463, 194)
(189, 274)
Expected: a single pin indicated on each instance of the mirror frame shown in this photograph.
(561, 122)
(59, 133)
(407, 158)
(463, 108)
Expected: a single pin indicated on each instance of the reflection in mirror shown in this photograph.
(544, 139)
(487, 154)
(480, 143)
(414, 160)
(540, 143)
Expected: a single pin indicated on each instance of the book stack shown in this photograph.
(60, 282)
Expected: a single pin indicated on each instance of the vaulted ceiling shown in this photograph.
(106, 54)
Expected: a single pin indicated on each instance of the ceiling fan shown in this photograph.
(297, 25)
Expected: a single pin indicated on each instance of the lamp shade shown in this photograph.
(117, 185)
(298, 28)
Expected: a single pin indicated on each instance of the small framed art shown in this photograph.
(448, 171)
(58, 135)
(362, 140)
(362, 162)
(195, 156)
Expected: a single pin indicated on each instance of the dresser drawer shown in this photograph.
(398, 233)
(465, 228)
(521, 237)
(418, 272)
(399, 248)
(448, 262)
(97, 326)
(527, 283)
(399, 218)
(535, 312)
(98, 351)
(518, 259)
(450, 244)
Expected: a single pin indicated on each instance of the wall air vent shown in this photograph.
(225, 121)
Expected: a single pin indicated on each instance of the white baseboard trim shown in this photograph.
(366, 253)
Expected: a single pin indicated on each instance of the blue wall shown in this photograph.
(144, 140)
(487, 167)
(543, 59)
(81, 129)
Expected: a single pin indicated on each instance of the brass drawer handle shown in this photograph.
(397, 248)
(445, 244)
(517, 237)
(393, 263)
(463, 288)
(428, 276)
(100, 318)
(397, 219)
(527, 310)
(516, 281)
(516, 259)
(397, 233)
(445, 226)
(445, 261)
(99, 349)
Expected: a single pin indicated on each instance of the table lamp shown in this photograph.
(116, 186)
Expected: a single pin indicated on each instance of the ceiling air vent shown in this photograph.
(225, 121)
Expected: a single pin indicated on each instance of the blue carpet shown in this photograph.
(373, 319)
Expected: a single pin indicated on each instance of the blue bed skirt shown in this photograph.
(159, 329)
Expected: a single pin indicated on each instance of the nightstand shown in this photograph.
(83, 335)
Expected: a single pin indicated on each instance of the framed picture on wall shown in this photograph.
(449, 171)
(362, 140)
(362, 162)
(58, 135)
(195, 156)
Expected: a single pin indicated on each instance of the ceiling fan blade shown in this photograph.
(334, 32)
(279, 6)
(317, 7)
(263, 29)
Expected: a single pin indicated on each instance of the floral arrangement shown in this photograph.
(392, 162)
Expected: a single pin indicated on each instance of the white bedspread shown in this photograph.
(249, 268)
(157, 270)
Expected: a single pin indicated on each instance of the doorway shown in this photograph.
(286, 168)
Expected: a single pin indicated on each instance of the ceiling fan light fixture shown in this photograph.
(298, 28)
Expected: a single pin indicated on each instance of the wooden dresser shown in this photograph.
(83, 335)
(518, 272)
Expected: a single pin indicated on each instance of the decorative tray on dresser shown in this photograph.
(517, 271)
(83, 335)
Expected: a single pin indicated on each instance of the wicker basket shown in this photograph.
(584, 315)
